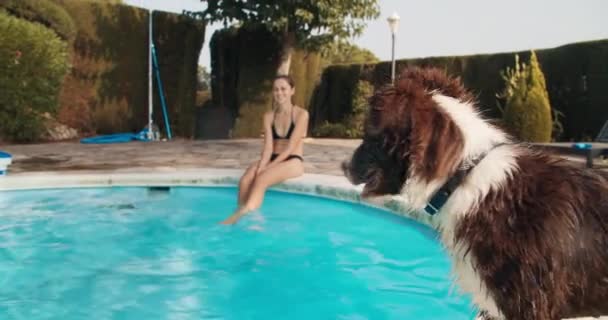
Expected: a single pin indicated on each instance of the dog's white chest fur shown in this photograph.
(489, 174)
(463, 202)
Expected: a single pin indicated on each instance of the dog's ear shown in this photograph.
(435, 79)
(389, 108)
(380, 105)
(436, 143)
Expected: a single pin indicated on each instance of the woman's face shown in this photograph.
(282, 91)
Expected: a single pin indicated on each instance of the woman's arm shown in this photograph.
(299, 132)
(267, 147)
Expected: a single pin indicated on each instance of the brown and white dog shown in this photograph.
(527, 232)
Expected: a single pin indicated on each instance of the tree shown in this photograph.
(203, 79)
(309, 23)
(527, 113)
(344, 52)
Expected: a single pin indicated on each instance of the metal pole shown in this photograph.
(150, 102)
(393, 60)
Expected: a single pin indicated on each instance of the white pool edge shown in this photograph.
(335, 187)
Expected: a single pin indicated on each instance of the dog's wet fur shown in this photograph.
(527, 231)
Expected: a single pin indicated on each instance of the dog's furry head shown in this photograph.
(407, 135)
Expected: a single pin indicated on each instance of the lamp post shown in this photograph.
(393, 24)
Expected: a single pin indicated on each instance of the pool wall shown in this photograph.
(335, 187)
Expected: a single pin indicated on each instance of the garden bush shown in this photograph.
(33, 63)
(45, 12)
(527, 112)
(352, 126)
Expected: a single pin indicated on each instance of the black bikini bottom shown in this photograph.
(289, 157)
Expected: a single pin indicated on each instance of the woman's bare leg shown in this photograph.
(246, 182)
(286, 170)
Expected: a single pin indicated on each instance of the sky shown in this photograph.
(451, 27)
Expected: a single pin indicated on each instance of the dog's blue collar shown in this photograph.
(441, 196)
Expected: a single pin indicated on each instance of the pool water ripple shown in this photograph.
(135, 253)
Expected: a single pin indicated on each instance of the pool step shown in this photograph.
(160, 188)
(158, 192)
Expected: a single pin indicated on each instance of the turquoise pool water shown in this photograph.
(133, 253)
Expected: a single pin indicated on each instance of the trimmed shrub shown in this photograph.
(112, 114)
(108, 65)
(576, 76)
(44, 12)
(202, 96)
(178, 40)
(241, 81)
(329, 103)
(305, 70)
(332, 130)
(33, 63)
(110, 58)
(355, 121)
(527, 113)
(353, 125)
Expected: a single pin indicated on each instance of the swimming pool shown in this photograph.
(139, 253)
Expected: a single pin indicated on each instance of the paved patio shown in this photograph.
(321, 156)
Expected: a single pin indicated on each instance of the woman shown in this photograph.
(284, 129)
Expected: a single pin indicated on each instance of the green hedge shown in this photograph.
(576, 77)
(241, 79)
(255, 71)
(45, 12)
(305, 71)
(107, 90)
(352, 126)
(333, 101)
(33, 63)
(178, 41)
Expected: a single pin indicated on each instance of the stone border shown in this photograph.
(329, 186)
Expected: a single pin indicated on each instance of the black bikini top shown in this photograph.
(275, 135)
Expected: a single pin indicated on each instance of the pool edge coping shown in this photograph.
(329, 186)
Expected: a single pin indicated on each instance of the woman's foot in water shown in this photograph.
(236, 216)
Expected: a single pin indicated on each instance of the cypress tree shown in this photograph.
(527, 113)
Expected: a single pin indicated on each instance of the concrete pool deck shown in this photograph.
(321, 156)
